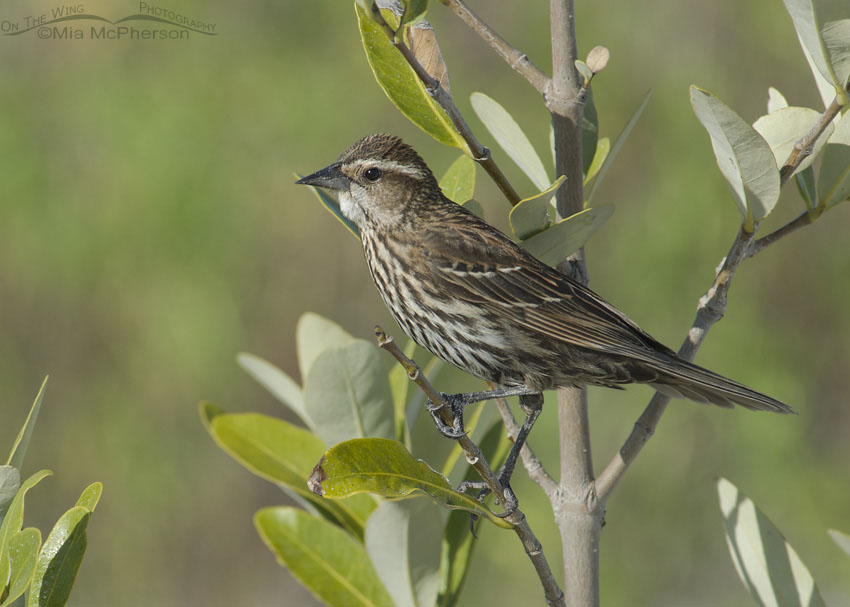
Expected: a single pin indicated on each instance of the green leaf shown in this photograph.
(841, 539)
(313, 335)
(458, 184)
(834, 176)
(784, 127)
(330, 202)
(347, 393)
(403, 543)
(555, 244)
(90, 496)
(510, 137)
(10, 482)
(19, 448)
(805, 23)
(13, 521)
(23, 553)
(401, 84)
(60, 559)
(414, 10)
(807, 187)
(531, 215)
(618, 143)
(385, 467)
(284, 454)
(766, 563)
(278, 383)
(603, 148)
(589, 133)
(836, 37)
(743, 156)
(775, 100)
(326, 560)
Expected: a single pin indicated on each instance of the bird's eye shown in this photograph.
(373, 174)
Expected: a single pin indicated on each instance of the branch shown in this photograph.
(532, 463)
(713, 304)
(711, 308)
(802, 149)
(517, 60)
(805, 145)
(432, 86)
(532, 545)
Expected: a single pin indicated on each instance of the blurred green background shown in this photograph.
(150, 230)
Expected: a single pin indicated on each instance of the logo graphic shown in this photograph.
(73, 22)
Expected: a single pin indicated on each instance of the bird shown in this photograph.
(473, 297)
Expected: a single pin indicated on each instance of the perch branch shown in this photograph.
(533, 548)
(713, 304)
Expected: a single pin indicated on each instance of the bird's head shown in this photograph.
(378, 180)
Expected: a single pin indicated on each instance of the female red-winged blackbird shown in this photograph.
(473, 297)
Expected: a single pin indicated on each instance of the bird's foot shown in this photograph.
(455, 405)
(509, 503)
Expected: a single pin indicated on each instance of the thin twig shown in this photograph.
(713, 304)
(516, 59)
(533, 548)
(805, 145)
(536, 471)
(804, 219)
(802, 149)
(479, 152)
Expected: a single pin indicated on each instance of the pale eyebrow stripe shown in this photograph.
(391, 166)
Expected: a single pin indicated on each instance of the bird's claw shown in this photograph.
(455, 431)
(510, 501)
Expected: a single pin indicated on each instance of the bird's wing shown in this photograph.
(477, 263)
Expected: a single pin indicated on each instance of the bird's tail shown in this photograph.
(687, 380)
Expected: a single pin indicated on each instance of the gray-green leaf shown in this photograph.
(834, 176)
(554, 244)
(278, 383)
(784, 127)
(841, 539)
(766, 563)
(775, 100)
(403, 541)
(805, 23)
(313, 335)
(531, 215)
(347, 393)
(621, 139)
(510, 137)
(836, 37)
(743, 156)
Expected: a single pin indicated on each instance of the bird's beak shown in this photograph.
(329, 177)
